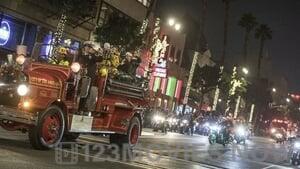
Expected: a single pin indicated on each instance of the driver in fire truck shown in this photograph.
(61, 58)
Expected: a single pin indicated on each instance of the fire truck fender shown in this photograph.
(140, 117)
(64, 108)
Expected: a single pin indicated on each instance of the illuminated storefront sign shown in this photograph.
(178, 89)
(171, 87)
(160, 72)
(163, 85)
(4, 33)
(156, 84)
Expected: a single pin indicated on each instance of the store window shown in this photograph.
(14, 32)
(165, 104)
(158, 102)
(46, 48)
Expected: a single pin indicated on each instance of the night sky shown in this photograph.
(282, 16)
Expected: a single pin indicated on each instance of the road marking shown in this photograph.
(145, 133)
(186, 161)
(268, 167)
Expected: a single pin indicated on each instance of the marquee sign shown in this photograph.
(4, 33)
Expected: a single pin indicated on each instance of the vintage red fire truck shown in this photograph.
(43, 100)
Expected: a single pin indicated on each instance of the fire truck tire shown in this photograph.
(49, 129)
(131, 138)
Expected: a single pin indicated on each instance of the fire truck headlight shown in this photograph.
(20, 59)
(26, 104)
(22, 90)
(75, 67)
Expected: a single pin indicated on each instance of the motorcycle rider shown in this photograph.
(191, 125)
(227, 126)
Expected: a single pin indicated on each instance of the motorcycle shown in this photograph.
(204, 129)
(159, 123)
(240, 135)
(184, 126)
(279, 138)
(220, 136)
(173, 124)
(295, 154)
(278, 135)
(214, 132)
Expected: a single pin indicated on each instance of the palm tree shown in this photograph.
(248, 22)
(226, 20)
(262, 33)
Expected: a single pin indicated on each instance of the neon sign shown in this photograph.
(4, 33)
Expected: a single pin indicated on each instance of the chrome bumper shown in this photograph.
(16, 115)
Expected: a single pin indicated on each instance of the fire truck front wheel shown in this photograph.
(131, 138)
(49, 129)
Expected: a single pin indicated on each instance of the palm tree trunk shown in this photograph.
(246, 42)
(262, 41)
(203, 16)
(226, 20)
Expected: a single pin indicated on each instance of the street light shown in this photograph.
(171, 21)
(220, 100)
(177, 26)
(245, 71)
(288, 100)
(274, 90)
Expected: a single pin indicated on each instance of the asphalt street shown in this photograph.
(155, 150)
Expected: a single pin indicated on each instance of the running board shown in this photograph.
(97, 132)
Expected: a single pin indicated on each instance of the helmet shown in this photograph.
(88, 43)
(62, 50)
(128, 54)
(106, 46)
(103, 72)
(97, 46)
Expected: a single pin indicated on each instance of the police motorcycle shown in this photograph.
(220, 134)
(240, 134)
(278, 135)
(214, 134)
(184, 126)
(159, 122)
(173, 123)
(295, 152)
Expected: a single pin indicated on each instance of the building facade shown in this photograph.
(33, 21)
